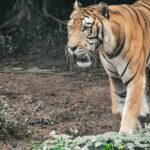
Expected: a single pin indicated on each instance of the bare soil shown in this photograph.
(59, 101)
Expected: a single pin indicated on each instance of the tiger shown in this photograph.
(121, 36)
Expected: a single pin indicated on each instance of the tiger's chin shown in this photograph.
(84, 61)
(84, 64)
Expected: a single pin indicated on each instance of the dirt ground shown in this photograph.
(59, 101)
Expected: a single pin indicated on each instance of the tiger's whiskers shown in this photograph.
(93, 58)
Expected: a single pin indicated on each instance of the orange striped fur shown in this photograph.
(121, 34)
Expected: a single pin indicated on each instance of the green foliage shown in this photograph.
(108, 141)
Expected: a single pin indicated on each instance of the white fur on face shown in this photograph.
(84, 64)
(70, 51)
(87, 21)
(70, 22)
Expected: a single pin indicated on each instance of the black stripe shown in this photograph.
(89, 23)
(146, 21)
(148, 58)
(98, 44)
(97, 32)
(114, 78)
(126, 67)
(145, 6)
(146, 3)
(137, 19)
(102, 30)
(89, 42)
(121, 95)
(91, 38)
(85, 16)
(86, 12)
(144, 17)
(127, 83)
(95, 37)
(91, 28)
(106, 59)
(112, 72)
(99, 40)
(116, 12)
(127, 49)
(137, 16)
(128, 12)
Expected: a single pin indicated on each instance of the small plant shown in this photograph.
(140, 140)
(74, 132)
(9, 125)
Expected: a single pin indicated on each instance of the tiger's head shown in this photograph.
(85, 33)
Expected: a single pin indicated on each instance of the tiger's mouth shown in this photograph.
(83, 61)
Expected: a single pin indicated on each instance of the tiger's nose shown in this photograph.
(73, 48)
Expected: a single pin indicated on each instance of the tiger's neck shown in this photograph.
(113, 40)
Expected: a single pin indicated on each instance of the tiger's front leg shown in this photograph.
(118, 94)
(135, 94)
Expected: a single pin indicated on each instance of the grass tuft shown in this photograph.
(9, 125)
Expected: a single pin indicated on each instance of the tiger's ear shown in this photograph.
(103, 9)
(77, 5)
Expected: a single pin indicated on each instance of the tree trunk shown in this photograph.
(23, 11)
(48, 15)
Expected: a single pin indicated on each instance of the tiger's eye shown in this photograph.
(86, 29)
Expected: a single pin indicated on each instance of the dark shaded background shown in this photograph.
(35, 39)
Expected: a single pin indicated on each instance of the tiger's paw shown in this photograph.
(126, 130)
(129, 128)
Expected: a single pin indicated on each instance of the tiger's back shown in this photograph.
(135, 21)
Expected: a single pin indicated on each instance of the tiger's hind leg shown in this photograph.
(145, 107)
(118, 95)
